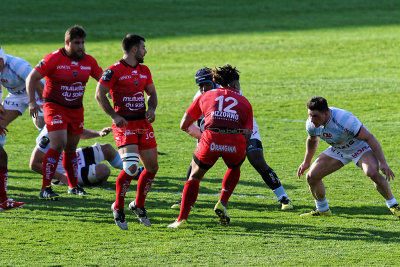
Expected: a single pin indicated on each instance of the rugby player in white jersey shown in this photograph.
(254, 150)
(90, 169)
(349, 140)
(13, 73)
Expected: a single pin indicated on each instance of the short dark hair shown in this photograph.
(131, 40)
(318, 103)
(74, 32)
(225, 75)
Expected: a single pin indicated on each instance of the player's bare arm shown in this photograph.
(376, 147)
(188, 126)
(89, 133)
(101, 97)
(32, 82)
(151, 102)
(311, 148)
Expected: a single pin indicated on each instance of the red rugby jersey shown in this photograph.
(223, 108)
(66, 78)
(127, 84)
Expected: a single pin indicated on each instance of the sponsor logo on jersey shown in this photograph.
(222, 148)
(75, 73)
(141, 76)
(4, 80)
(225, 115)
(134, 72)
(63, 67)
(125, 77)
(57, 119)
(86, 68)
(134, 102)
(74, 63)
(327, 135)
(73, 92)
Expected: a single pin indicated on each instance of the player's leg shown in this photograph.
(255, 156)
(3, 174)
(9, 116)
(370, 165)
(148, 157)
(70, 163)
(58, 140)
(177, 204)
(321, 167)
(190, 192)
(5, 202)
(111, 155)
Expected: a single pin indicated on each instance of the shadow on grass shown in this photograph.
(110, 21)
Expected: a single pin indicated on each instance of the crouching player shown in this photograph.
(90, 171)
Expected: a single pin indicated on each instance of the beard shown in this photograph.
(139, 58)
(77, 55)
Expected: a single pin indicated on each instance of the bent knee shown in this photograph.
(153, 168)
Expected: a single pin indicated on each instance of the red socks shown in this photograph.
(3, 183)
(189, 197)
(122, 185)
(50, 162)
(144, 183)
(229, 183)
(70, 163)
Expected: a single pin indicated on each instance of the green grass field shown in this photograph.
(287, 51)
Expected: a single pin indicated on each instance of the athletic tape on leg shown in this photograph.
(128, 160)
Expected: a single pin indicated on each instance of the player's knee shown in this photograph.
(311, 179)
(372, 172)
(130, 163)
(108, 151)
(153, 168)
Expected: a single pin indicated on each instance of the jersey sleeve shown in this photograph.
(149, 79)
(353, 125)
(109, 77)
(96, 70)
(310, 128)
(21, 67)
(46, 65)
(194, 110)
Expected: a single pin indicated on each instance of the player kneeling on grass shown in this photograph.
(228, 123)
(5, 202)
(90, 171)
(349, 141)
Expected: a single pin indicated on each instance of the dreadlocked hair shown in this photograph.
(225, 75)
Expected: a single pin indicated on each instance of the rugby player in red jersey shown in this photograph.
(127, 81)
(67, 71)
(228, 124)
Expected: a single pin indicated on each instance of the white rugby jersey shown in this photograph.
(341, 130)
(14, 74)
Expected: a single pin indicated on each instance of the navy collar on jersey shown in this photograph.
(128, 65)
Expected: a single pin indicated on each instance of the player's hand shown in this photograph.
(119, 121)
(150, 115)
(3, 130)
(34, 109)
(302, 168)
(387, 172)
(105, 131)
